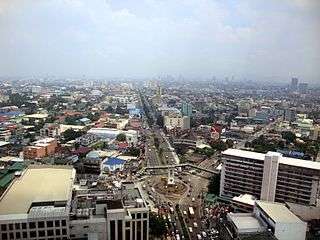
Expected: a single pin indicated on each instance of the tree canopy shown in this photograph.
(156, 225)
(121, 137)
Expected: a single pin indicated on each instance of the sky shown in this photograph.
(262, 40)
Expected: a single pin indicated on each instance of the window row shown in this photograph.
(33, 225)
(33, 234)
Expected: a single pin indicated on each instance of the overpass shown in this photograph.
(183, 165)
(185, 142)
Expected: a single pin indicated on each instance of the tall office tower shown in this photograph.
(270, 177)
(303, 87)
(186, 109)
(294, 84)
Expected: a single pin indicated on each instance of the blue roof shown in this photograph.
(114, 161)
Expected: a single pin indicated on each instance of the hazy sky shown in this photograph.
(257, 39)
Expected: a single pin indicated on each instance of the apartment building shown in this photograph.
(31, 210)
(41, 148)
(270, 177)
(177, 121)
(50, 130)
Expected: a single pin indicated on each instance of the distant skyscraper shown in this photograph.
(303, 87)
(186, 109)
(294, 84)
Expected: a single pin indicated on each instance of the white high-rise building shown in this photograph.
(270, 177)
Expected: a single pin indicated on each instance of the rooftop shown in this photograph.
(283, 160)
(3, 143)
(36, 185)
(278, 212)
(306, 213)
(246, 222)
(114, 161)
(37, 115)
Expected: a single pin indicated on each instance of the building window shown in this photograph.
(32, 225)
(49, 223)
(11, 226)
(145, 215)
(24, 225)
(145, 229)
(64, 231)
(18, 235)
(139, 236)
(3, 227)
(128, 234)
(138, 215)
(127, 224)
(50, 233)
(4, 236)
(134, 231)
(41, 224)
(112, 230)
(17, 226)
(42, 233)
(57, 223)
(133, 216)
(63, 223)
(120, 237)
(24, 234)
(33, 234)
(58, 232)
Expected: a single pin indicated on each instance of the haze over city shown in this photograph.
(257, 40)
(159, 120)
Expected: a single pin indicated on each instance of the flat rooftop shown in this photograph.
(278, 212)
(283, 160)
(37, 184)
(246, 222)
(37, 115)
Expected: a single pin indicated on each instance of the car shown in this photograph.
(199, 236)
(190, 229)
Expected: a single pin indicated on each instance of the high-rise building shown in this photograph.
(294, 84)
(186, 109)
(270, 177)
(303, 87)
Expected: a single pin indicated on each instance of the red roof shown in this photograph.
(123, 145)
(82, 150)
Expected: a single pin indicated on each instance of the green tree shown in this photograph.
(229, 143)
(160, 121)
(121, 137)
(219, 145)
(133, 151)
(156, 225)
(71, 134)
(290, 137)
(214, 184)
(93, 116)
